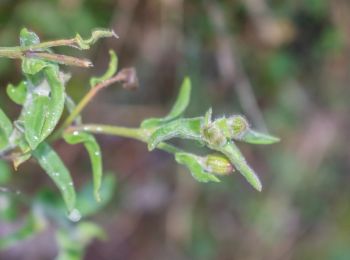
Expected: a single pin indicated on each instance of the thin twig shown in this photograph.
(85, 100)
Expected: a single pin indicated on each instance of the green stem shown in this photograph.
(11, 52)
(82, 104)
(17, 52)
(133, 133)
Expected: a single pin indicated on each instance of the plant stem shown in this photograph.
(11, 52)
(134, 133)
(17, 52)
(82, 104)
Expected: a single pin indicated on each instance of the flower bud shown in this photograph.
(218, 164)
(214, 135)
(238, 126)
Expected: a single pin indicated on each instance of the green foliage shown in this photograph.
(218, 135)
(43, 96)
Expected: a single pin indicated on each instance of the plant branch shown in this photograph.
(133, 133)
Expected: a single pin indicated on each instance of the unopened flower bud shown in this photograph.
(238, 126)
(214, 135)
(218, 164)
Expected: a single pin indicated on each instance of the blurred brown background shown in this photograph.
(282, 64)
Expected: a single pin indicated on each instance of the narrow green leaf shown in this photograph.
(55, 168)
(193, 163)
(57, 99)
(35, 111)
(254, 137)
(94, 151)
(178, 108)
(5, 129)
(180, 128)
(17, 93)
(235, 156)
(182, 100)
(112, 69)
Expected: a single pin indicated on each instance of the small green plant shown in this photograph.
(43, 97)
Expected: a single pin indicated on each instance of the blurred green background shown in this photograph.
(282, 64)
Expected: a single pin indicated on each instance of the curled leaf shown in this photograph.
(57, 99)
(95, 36)
(17, 93)
(112, 69)
(94, 151)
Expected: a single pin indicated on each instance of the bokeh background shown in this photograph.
(282, 64)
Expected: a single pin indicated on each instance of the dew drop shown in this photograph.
(74, 215)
